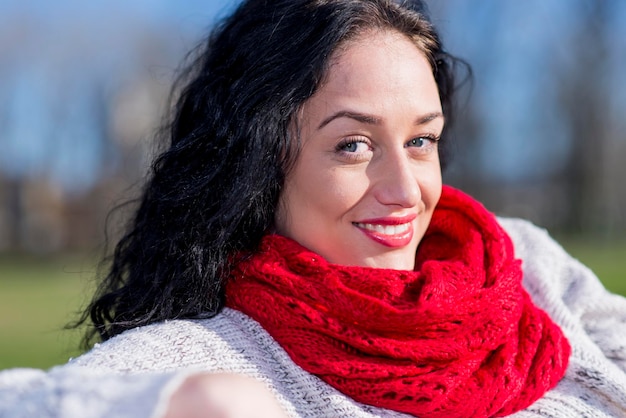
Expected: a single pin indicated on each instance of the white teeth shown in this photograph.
(386, 229)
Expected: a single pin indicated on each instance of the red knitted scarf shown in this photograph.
(457, 337)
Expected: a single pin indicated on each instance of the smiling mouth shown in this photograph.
(394, 236)
(385, 229)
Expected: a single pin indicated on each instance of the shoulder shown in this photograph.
(530, 239)
(214, 344)
(231, 342)
(593, 319)
(549, 271)
(559, 284)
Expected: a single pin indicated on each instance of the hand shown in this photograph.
(223, 396)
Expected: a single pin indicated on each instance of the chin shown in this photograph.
(396, 262)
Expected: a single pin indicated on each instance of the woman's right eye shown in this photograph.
(353, 146)
(354, 149)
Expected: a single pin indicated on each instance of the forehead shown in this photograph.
(378, 36)
(377, 69)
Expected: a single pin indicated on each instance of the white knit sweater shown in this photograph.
(133, 374)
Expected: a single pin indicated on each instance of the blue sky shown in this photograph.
(56, 49)
(63, 45)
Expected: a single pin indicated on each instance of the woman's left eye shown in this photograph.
(421, 142)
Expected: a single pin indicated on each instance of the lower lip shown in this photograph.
(393, 241)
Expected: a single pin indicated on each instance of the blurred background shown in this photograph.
(83, 86)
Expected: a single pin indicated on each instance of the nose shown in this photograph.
(397, 181)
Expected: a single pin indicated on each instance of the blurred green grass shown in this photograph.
(38, 297)
(607, 259)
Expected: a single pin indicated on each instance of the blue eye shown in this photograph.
(421, 142)
(354, 146)
(351, 147)
(417, 142)
(355, 149)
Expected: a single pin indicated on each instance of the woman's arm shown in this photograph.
(136, 373)
(81, 393)
(223, 396)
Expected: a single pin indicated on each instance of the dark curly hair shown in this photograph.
(212, 193)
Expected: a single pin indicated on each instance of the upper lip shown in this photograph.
(389, 220)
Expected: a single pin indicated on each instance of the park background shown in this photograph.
(541, 135)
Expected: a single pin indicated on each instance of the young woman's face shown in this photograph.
(364, 187)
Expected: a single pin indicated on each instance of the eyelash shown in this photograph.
(354, 156)
(431, 138)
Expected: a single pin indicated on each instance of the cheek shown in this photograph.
(433, 192)
(339, 190)
(320, 195)
(302, 202)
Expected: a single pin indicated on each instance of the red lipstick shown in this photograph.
(391, 232)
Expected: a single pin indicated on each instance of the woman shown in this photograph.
(295, 253)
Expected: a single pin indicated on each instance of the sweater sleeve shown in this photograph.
(135, 373)
(78, 392)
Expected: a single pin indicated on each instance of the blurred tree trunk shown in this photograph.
(581, 96)
(14, 213)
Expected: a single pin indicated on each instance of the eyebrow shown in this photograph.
(373, 120)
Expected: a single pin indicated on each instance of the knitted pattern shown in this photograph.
(133, 374)
(457, 337)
